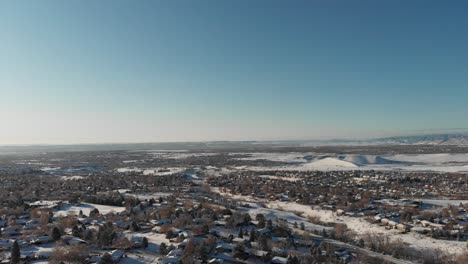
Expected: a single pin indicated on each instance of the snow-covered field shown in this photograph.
(307, 161)
(444, 203)
(443, 162)
(290, 216)
(166, 171)
(86, 208)
(43, 250)
(66, 178)
(214, 171)
(180, 155)
(155, 241)
(329, 163)
(292, 179)
(148, 196)
(292, 157)
(287, 210)
(360, 226)
(152, 171)
(132, 161)
(432, 158)
(150, 254)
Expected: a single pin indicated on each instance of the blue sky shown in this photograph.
(133, 71)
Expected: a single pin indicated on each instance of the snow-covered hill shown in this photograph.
(366, 159)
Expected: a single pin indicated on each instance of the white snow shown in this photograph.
(127, 169)
(181, 155)
(358, 225)
(431, 158)
(444, 203)
(86, 208)
(291, 157)
(365, 159)
(214, 171)
(149, 196)
(160, 173)
(66, 178)
(287, 214)
(292, 179)
(329, 164)
(47, 169)
(152, 171)
(131, 161)
(424, 162)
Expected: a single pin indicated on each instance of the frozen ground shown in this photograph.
(309, 161)
(443, 158)
(66, 178)
(45, 249)
(152, 171)
(329, 163)
(360, 226)
(290, 216)
(444, 203)
(148, 196)
(292, 157)
(86, 208)
(215, 171)
(148, 255)
(180, 155)
(292, 179)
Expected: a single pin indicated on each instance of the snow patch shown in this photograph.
(330, 163)
(86, 208)
(66, 178)
(366, 159)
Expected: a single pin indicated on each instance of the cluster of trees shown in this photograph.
(107, 198)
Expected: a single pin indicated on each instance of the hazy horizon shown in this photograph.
(87, 72)
(457, 131)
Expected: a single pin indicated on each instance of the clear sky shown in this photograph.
(147, 71)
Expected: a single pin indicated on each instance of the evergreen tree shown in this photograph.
(324, 233)
(263, 242)
(105, 235)
(171, 247)
(270, 224)
(261, 223)
(163, 249)
(247, 219)
(135, 226)
(361, 242)
(75, 231)
(94, 212)
(293, 260)
(253, 235)
(15, 253)
(56, 234)
(205, 229)
(106, 259)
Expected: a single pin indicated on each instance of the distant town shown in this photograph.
(291, 205)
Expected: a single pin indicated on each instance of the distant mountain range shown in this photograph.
(430, 139)
(448, 139)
